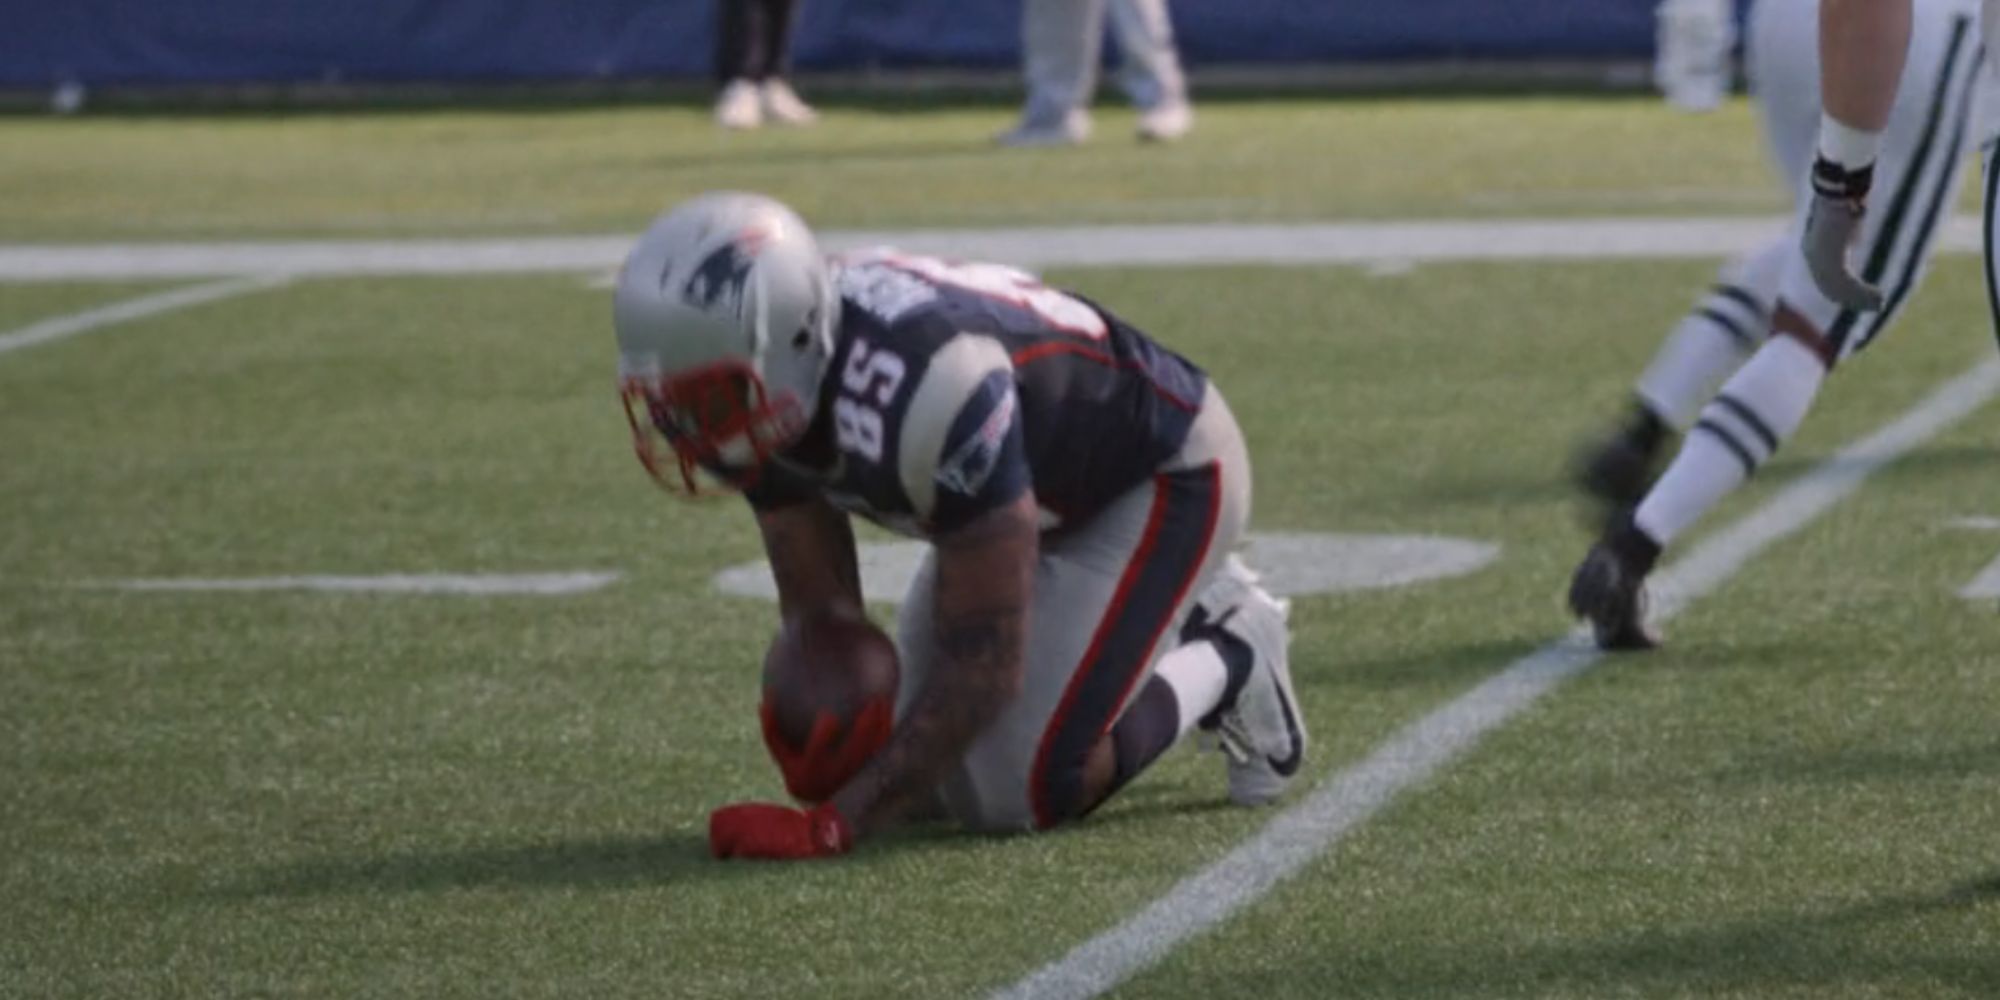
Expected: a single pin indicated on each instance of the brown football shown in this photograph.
(836, 665)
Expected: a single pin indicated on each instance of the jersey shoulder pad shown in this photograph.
(958, 421)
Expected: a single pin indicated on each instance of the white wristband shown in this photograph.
(1846, 145)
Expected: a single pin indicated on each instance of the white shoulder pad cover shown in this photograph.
(955, 371)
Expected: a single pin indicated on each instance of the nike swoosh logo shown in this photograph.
(1288, 766)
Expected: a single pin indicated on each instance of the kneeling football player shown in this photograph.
(1081, 486)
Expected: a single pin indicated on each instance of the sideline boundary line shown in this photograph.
(1352, 795)
(1394, 242)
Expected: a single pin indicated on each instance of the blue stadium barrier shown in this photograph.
(385, 41)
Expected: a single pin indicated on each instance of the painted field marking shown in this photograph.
(1986, 584)
(1393, 244)
(1292, 564)
(1351, 796)
(123, 312)
(480, 584)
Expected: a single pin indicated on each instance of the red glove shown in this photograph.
(830, 757)
(778, 833)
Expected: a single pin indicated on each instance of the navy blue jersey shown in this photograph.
(955, 388)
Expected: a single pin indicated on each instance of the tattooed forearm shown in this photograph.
(811, 547)
(978, 675)
(981, 639)
(984, 576)
(846, 562)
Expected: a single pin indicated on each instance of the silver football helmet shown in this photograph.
(724, 312)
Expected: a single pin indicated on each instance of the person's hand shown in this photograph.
(832, 753)
(1839, 202)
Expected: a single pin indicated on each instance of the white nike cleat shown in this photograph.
(740, 106)
(1259, 727)
(1167, 122)
(783, 106)
(1071, 130)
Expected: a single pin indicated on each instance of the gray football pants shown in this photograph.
(1110, 595)
(1060, 44)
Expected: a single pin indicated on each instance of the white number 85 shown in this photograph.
(857, 425)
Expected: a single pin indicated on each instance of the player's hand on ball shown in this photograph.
(1838, 204)
(832, 753)
(764, 831)
(829, 700)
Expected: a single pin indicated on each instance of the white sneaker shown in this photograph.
(1072, 130)
(739, 106)
(1261, 729)
(1167, 122)
(782, 105)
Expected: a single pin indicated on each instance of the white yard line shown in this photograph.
(1397, 243)
(1985, 585)
(121, 312)
(1352, 795)
(483, 584)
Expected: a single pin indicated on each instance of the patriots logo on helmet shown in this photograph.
(719, 278)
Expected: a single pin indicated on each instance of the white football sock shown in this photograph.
(1729, 324)
(1707, 345)
(1198, 676)
(1756, 411)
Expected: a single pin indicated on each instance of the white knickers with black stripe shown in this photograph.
(1937, 119)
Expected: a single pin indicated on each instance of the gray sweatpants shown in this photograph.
(1060, 43)
(1110, 595)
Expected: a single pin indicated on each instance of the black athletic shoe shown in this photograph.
(1611, 594)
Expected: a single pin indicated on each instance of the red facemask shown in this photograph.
(718, 422)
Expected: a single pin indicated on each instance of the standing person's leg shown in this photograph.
(1061, 42)
(1760, 406)
(1733, 319)
(1149, 68)
(739, 35)
(781, 103)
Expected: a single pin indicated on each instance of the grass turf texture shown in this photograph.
(231, 794)
(515, 172)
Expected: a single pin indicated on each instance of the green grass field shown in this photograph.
(479, 172)
(334, 795)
